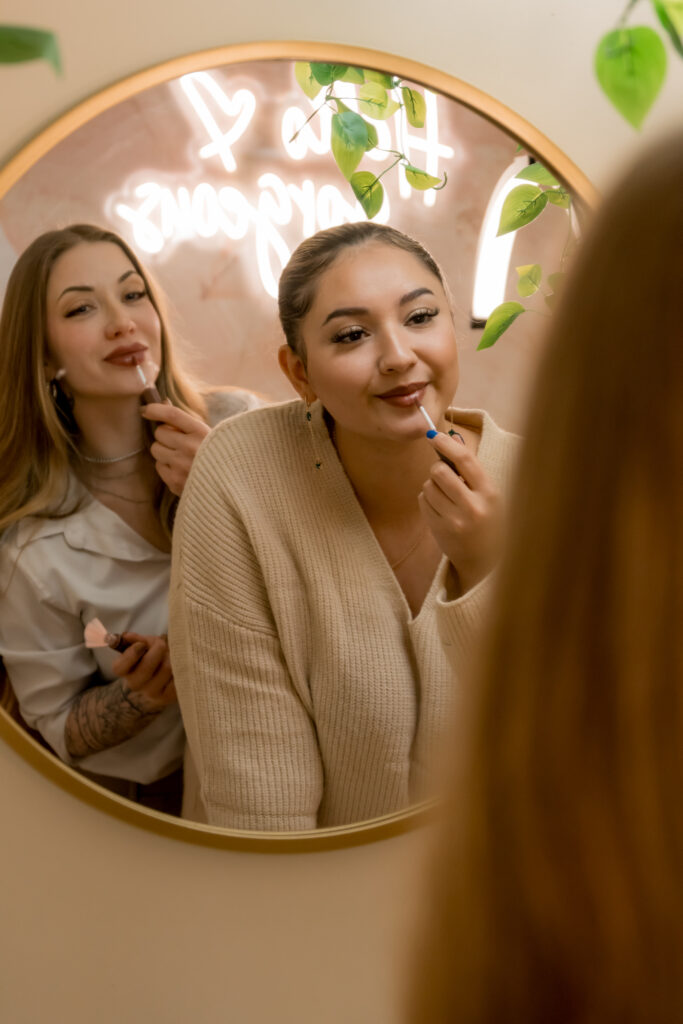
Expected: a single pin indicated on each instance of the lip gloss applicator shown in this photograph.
(150, 393)
(428, 418)
(433, 431)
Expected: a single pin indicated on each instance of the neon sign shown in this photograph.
(168, 213)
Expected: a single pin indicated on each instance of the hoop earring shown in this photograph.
(314, 444)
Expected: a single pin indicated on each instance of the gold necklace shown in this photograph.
(393, 565)
(92, 475)
(122, 497)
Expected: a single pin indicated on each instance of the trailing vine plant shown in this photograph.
(379, 97)
(522, 206)
(631, 62)
(631, 67)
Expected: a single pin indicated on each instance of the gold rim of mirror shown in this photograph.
(438, 81)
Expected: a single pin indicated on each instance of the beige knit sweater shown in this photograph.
(311, 696)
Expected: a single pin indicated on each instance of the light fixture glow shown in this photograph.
(493, 253)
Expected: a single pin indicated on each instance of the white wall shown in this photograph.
(101, 921)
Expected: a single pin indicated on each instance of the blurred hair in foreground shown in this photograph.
(558, 883)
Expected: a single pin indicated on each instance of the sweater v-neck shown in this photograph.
(332, 466)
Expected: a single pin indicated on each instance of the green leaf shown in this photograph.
(381, 77)
(19, 44)
(420, 179)
(559, 197)
(671, 17)
(556, 282)
(349, 141)
(537, 173)
(368, 191)
(416, 108)
(630, 64)
(529, 279)
(372, 136)
(498, 322)
(374, 101)
(328, 73)
(521, 206)
(392, 107)
(304, 76)
(354, 75)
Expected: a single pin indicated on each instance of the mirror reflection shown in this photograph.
(321, 538)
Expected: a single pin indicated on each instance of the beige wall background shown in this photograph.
(102, 922)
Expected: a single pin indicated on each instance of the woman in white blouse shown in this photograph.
(88, 498)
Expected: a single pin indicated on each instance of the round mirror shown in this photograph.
(216, 165)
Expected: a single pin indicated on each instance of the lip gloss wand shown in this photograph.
(150, 393)
(432, 432)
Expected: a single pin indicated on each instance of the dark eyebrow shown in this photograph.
(346, 311)
(415, 294)
(88, 288)
(359, 310)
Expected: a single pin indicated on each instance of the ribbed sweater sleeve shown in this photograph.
(253, 740)
(461, 621)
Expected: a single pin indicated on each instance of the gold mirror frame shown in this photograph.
(437, 81)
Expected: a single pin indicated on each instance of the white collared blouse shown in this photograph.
(56, 575)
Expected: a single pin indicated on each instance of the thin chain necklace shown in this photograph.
(117, 458)
(415, 544)
(122, 497)
(413, 547)
(94, 475)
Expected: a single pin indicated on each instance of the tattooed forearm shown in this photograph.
(105, 716)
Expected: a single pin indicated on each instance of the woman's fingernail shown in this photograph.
(431, 433)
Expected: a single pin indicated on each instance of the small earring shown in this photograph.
(62, 402)
(314, 444)
(56, 392)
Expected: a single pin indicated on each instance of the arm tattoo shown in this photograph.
(104, 716)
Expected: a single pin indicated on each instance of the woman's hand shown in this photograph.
(101, 717)
(176, 442)
(463, 512)
(145, 667)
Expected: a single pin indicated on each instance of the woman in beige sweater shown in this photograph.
(322, 545)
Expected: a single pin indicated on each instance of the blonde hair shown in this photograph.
(38, 436)
(559, 883)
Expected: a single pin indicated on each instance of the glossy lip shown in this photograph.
(127, 355)
(406, 394)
